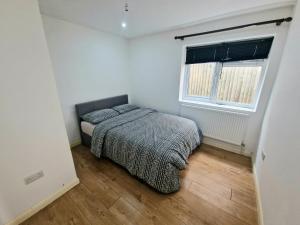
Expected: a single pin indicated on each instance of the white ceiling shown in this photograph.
(148, 16)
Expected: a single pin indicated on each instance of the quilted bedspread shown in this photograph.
(151, 145)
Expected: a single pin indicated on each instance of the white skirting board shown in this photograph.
(42, 204)
(75, 143)
(258, 198)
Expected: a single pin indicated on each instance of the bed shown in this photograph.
(151, 145)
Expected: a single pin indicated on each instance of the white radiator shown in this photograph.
(221, 125)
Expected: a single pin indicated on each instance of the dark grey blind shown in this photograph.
(230, 51)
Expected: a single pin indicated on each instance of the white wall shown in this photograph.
(88, 65)
(155, 63)
(32, 134)
(278, 174)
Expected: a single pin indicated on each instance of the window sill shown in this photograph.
(217, 107)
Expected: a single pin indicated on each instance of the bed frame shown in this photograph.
(87, 107)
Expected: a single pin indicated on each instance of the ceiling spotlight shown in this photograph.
(125, 16)
(124, 24)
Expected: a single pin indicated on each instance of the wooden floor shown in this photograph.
(217, 188)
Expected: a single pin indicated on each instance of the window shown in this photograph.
(224, 83)
(228, 74)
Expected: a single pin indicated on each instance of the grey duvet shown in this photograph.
(151, 145)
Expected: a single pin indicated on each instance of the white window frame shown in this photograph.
(212, 103)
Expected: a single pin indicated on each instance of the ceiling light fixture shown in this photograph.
(125, 16)
(124, 24)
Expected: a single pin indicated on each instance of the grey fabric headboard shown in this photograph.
(87, 107)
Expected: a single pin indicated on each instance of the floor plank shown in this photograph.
(217, 189)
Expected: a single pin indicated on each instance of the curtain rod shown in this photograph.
(278, 22)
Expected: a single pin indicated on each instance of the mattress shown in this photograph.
(87, 128)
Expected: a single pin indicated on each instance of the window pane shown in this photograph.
(238, 84)
(200, 79)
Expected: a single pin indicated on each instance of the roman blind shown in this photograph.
(230, 51)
